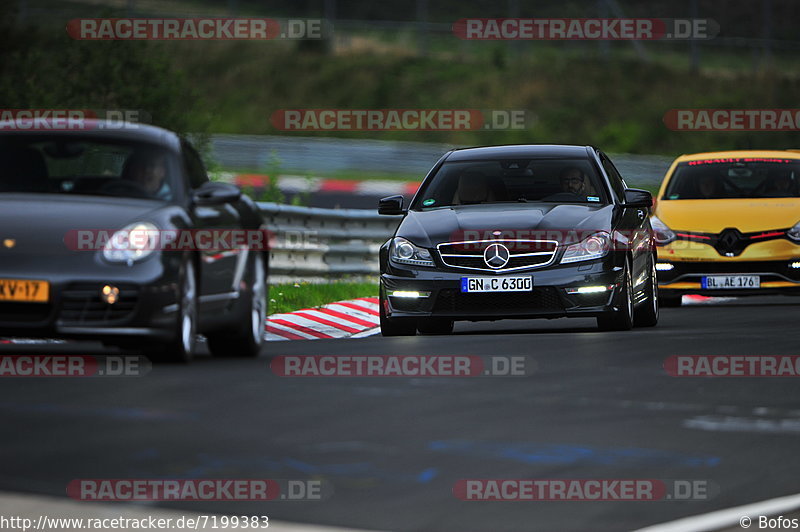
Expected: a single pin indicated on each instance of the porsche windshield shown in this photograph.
(502, 181)
(735, 178)
(86, 165)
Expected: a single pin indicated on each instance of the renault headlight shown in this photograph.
(593, 247)
(132, 243)
(662, 234)
(404, 252)
(794, 233)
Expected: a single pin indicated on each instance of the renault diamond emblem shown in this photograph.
(9, 243)
(496, 256)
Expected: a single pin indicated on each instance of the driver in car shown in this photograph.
(149, 171)
(574, 181)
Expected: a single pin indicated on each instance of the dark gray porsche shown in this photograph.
(530, 231)
(118, 235)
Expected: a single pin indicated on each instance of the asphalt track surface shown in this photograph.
(598, 406)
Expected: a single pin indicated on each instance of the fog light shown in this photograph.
(664, 267)
(109, 294)
(412, 294)
(590, 289)
(795, 265)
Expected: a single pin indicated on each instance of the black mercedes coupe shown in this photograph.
(528, 231)
(115, 233)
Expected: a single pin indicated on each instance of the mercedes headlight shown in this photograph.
(593, 247)
(662, 234)
(132, 243)
(404, 252)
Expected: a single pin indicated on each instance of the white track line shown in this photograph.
(729, 517)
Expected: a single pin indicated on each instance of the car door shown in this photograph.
(220, 268)
(633, 224)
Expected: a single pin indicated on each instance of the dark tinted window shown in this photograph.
(498, 181)
(735, 178)
(59, 164)
(194, 166)
(617, 183)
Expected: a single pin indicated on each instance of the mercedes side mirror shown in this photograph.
(393, 205)
(637, 198)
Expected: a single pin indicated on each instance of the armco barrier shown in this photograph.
(313, 242)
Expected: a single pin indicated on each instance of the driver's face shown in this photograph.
(573, 182)
(783, 183)
(151, 175)
(707, 187)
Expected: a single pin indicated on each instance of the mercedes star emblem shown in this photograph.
(496, 256)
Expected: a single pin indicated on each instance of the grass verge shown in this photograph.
(296, 296)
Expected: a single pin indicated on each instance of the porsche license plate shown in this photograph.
(497, 284)
(24, 291)
(728, 282)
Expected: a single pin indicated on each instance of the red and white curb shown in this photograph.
(298, 184)
(355, 318)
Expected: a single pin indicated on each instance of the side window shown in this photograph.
(617, 183)
(194, 166)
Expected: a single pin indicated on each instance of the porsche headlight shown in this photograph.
(662, 234)
(404, 252)
(593, 247)
(132, 243)
(794, 233)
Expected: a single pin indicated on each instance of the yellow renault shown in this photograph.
(728, 223)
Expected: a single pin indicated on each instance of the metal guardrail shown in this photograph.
(314, 242)
(324, 155)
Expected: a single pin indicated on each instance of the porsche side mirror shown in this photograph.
(216, 193)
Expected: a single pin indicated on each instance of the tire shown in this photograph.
(395, 327)
(246, 337)
(621, 320)
(647, 312)
(435, 326)
(181, 348)
(670, 301)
